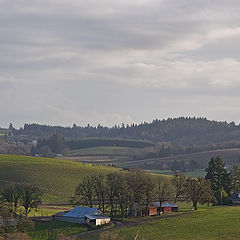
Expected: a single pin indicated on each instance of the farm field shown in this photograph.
(228, 155)
(121, 157)
(56, 177)
(210, 223)
(106, 150)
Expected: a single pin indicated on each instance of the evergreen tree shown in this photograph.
(219, 177)
(235, 177)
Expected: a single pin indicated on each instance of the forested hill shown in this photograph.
(178, 131)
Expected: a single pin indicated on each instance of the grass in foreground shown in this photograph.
(49, 230)
(212, 224)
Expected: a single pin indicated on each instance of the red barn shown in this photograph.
(169, 207)
(152, 211)
(154, 208)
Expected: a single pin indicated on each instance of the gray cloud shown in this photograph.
(110, 62)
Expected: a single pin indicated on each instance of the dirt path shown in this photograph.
(120, 224)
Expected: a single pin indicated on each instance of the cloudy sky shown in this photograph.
(112, 61)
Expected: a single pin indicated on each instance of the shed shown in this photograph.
(152, 211)
(169, 207)
(97, 219)
(154, 208)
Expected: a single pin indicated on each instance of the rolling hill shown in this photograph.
(230, 156)
(56, 177)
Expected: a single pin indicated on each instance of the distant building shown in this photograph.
(153, 209)
(235, 198)
(59, 154)
(34, 143)
(92, 216)
(97, 219)
(165, 207)
(228, 166)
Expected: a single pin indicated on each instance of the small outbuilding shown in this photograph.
(154, 208)
(97, 219)
(83, 215)
(169, 207)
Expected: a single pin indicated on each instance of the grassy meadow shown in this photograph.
(56, 177)
(210, 223)
(49, 230)
(106, 150)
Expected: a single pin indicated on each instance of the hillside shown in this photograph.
(120, 157)
(178, 135)
(57, 178)
(157, 130)
(230, 156)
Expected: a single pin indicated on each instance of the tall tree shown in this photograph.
(218, 176)
(235, 177)
(56, 143)
(124, 194)
(31, 197)
(84, 193)
(165, 190)
(12, 194)
(178, 181)
(112, 190)
(198, 191)
(100, 189)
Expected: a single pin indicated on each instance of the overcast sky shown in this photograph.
(108, 62)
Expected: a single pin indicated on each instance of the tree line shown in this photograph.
(183, 135)
(170, 129)
(57, 143)
(122, 192)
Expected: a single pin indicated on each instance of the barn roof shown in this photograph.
(82, 211)
(157, 204)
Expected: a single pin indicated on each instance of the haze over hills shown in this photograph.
(178, 131)
(187, 143)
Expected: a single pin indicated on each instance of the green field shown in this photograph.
(106, 150)
(123, 157)
(49, 230)
(56, 177)
(230, 156)
(210, 223)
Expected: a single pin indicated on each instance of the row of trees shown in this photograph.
(123, 192)
(57, 144)
(156, 131)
